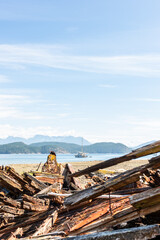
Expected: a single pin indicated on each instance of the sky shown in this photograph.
(88, 68)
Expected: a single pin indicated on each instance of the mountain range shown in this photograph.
(61, 147)
(43, 138)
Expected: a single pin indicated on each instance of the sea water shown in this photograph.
(6, 159)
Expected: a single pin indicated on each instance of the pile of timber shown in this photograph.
(126, 206)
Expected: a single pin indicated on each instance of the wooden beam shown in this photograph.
(145, 199)
(140, 152)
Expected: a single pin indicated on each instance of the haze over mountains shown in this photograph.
(43, 138)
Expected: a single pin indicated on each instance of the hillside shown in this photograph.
(61, 147)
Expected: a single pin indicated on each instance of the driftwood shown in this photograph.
(113, 184)
(140, 152)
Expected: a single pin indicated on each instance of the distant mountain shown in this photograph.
(43, 138)
(61, 147)
(144, 144)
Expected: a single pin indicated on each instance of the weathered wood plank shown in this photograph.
(10, 202)
(12, 210)
(146, 198)
(34, 207)
(34, 182)
(47, 224)
(31, 220)
(36, 200)
(9, 184)
(13, 236)
(140, 152)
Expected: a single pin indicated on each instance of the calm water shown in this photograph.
(6, 159)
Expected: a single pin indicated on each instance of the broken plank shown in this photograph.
(17, 233)
(11, 210)
(145, 199)
(112, 184)
(36, 200)
(9, 183)
(46, 190)
(140, 152)
(10, 202)
(34, 207)
(47, 224)
(31, 220)
(36, 183)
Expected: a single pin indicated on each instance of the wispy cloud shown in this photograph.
(107, 86)
(57, 57)
(3, 79)
(26, 132)
(149, 99)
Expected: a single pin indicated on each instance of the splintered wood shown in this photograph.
(49, 206)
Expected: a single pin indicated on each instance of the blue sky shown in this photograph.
(86, 68)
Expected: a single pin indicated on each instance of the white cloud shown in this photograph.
(3, 79)
(53, 56)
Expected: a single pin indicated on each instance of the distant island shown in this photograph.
(62, 147)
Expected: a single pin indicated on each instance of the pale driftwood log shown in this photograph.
(138, 233)
(47, 224)
(112, 184)
(140, 152)
(145, 199)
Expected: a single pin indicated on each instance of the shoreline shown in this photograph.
(20, 168)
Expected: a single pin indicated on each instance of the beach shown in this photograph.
(21, 168)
